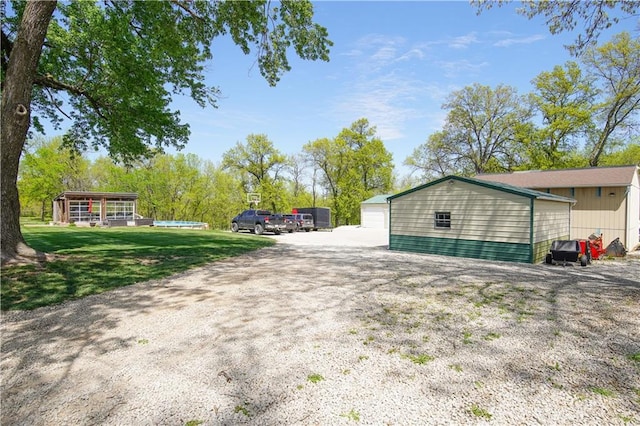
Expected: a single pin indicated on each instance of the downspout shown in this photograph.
(627, 212)
(389, 239)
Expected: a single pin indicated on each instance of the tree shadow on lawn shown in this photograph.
(88, 261)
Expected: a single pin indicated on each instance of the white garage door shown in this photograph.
(374, 217)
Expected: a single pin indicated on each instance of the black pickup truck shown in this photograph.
(258, 221)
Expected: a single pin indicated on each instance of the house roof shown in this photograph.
(525, 192)
(566, 178)
(378, 199)
(76, 194)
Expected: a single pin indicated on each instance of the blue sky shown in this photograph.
(392, 63)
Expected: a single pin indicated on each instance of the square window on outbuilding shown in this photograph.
(442, 220)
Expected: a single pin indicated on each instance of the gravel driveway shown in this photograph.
(331, 328)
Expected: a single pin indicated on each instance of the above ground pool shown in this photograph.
(179, 224)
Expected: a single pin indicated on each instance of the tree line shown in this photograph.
(337, 172)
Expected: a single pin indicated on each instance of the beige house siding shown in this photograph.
(616, 215)
(477, 213)
(633, 213)
(605, 213)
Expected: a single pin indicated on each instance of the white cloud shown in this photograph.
(384, 55)
(454, 68)
(352, 52)
(411, 54)
(462, 42)
(376, 51)
(373, 40)
(388, 101)
(522, 40)
(387, 88)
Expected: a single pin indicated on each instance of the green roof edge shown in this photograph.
(517, 190)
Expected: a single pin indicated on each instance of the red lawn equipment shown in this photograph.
(583, 251)
(597, 248)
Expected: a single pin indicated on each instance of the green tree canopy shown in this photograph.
(354, 166)
(261, 167)
(627, 155)
(47, 169)
(616, 66)
(565, 99)
(481, 133)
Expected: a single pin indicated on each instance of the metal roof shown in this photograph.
(525, 192)
(378, 199)
(566, 178)
(76, 194)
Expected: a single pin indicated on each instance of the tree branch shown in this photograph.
(184, 7)
(49, 82)
(56, 105)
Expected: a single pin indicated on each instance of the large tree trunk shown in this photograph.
(15, 120)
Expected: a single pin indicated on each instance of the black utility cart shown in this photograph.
(569, 251)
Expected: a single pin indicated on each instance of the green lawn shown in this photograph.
(94, 260)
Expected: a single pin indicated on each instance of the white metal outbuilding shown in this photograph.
(374, 212)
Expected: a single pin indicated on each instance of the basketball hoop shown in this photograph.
(254, 198)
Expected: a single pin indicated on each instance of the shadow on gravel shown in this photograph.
(236, 342)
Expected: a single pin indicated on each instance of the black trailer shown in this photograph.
(321, 216)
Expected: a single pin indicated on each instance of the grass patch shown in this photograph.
(626, 419)
(480, 412)
(193, 423)
(456, 367)
(242, 410)
(315, 378)
(94, 260)
(352, 415)
(491, 336)
(634, 357)
(419, 359)
(602, 391)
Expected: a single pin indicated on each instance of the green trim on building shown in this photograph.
(489, 250)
